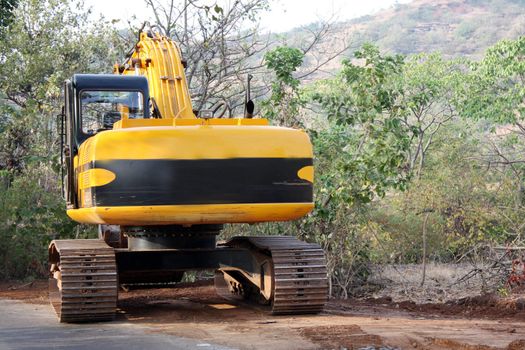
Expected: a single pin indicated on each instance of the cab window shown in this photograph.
(99, 110)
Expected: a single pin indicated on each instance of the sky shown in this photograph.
(283, 15)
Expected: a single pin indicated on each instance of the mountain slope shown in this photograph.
(456, 28)
(453, 27)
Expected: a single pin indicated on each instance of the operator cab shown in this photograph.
(93, 103)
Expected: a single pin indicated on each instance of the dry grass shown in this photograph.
(443, 282)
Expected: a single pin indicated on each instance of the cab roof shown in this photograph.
(110, 82)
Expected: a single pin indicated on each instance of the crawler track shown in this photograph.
(83, 283)
(299, 281)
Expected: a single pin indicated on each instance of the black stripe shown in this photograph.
(205, 181)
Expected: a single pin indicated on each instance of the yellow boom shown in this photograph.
(159, 59)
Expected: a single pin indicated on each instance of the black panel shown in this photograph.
(110, 82)
(171, 236)
(207, 181)
(143, 262)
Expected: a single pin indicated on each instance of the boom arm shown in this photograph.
(158, 58)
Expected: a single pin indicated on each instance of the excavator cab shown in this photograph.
(94, 103)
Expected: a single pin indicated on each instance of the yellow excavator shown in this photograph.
(160, 180)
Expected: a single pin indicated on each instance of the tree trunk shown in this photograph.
(520, 196)
(424, 249)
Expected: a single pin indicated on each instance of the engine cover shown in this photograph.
(193, 174)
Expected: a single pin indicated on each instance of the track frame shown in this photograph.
(280, 271)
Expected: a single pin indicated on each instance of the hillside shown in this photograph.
(453, 27)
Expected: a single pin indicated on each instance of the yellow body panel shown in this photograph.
(200, 140)
(134, 123)
(306, 173)
(191, 214)
(196, 142)
(94, 178)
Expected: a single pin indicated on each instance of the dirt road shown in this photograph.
(31, 327)
(197, 312)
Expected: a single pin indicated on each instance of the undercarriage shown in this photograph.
(282, 272)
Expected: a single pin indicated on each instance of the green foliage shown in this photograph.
(361, 93)
(365, 127)
(284, 61)
(45, 42)
(468, 204)
(429, 86)
(429, 79)
(31, 215)
(495, 88)
(494, 91)
(361, 153)
(385, 112)
(347, 245)
(14, 147)
(284, 102)
(6, 13)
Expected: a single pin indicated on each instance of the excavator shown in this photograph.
(161, 180)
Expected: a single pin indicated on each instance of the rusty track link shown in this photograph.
(83, 283)
(300, 283)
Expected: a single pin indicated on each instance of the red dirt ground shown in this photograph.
(196, 311)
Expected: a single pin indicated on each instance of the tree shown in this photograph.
(6, 13)
(284, 102)
(428, 84)
(494, 91)
(364, 101)
(45, 43)
(222, 44)
(361, 151)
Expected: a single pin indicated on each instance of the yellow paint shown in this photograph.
(94, 178)
(134, 123)
(196, 142)
(306, 173)
(80, 194)
(222, 306)
(191, 214)
(124, 111)
(159, 60)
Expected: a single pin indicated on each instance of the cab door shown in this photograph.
(69, 147)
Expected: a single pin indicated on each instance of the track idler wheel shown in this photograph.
(292, 277)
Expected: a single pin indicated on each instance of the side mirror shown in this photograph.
(249, 106)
